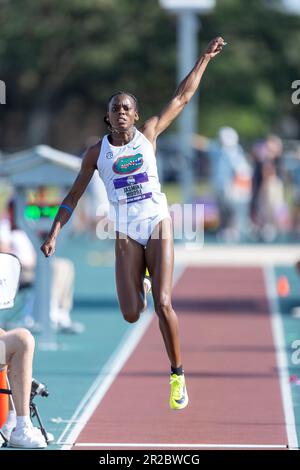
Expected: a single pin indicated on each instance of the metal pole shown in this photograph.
(187, 56)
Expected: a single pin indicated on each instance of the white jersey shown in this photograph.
(129, 172)
(130, 176)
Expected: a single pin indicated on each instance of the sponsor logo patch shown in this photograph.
(130, 188)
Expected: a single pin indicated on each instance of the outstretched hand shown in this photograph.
(48, 247)
(214, 47)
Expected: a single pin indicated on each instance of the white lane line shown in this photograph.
(183, 446)
(106, 377)
(281, 357)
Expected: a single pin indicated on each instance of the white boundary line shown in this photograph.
(281, 357)
(183, 446)
(237, 255)
(106, 377)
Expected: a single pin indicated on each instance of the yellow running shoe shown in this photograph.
(179, 397)
(147, 287)
(147, 282)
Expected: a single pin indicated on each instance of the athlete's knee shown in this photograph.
(131, 318)
(131, 315)
(163, 306)
(24, 339)
(132, 311)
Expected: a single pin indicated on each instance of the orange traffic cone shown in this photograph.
(3, 398)
(283, 287)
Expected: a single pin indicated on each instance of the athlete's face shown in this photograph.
(122, 113)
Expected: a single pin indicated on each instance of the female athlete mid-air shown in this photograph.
(125, 160)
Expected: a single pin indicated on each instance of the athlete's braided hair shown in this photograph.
(106, 120)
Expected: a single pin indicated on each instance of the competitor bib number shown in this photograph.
(132, 188)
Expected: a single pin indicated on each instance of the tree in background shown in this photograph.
(250, 89)
(62, 59)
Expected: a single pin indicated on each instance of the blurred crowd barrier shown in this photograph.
(249, 193)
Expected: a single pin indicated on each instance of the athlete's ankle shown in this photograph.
(177, 370)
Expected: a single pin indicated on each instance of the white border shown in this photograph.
(183, 446)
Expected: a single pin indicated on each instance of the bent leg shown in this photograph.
(130, 271)
(19, 348)
(160, 262)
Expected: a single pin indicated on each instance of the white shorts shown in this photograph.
(138, 220)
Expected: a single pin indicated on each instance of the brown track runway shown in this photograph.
(230, 365)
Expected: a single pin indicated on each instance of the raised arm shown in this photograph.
(186, 89)
(88, 166)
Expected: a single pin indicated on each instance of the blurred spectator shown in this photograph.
(271, 202)
(292, 169)
(259, 155)
(15, 241)
(268, 209)
(231, 182)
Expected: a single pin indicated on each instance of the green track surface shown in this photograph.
(291, 327)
